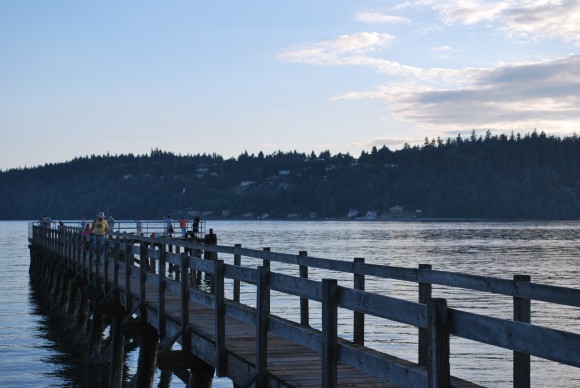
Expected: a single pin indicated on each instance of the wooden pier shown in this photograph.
(193, 331)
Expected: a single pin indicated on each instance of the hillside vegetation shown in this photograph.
(496, 177)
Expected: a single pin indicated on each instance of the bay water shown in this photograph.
(34, 353)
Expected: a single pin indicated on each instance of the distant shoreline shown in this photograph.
(424, 219)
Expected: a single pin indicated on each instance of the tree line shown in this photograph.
(534, 176)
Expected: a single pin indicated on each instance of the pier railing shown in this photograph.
(434, 319)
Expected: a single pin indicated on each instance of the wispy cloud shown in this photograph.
(345, 49)
(357, 49)
(534, 20)
(379, 18)
(442, 49)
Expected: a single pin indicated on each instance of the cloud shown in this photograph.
(442, 49)
(378, 18)
(540, 95)
(390, 142)
(543, 95)
(356, 49)
(345, 49)
(534, 20)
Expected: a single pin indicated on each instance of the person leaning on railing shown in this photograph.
(99, 230)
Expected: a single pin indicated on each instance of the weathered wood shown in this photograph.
(143, 282)
(425, 294)
(263, 312)
(550, 344)
(96, 335)
(147, 359)
(161, 294)
(358, 317)
(129, 258)
(185, 335)
(304, 310)
(438, 365)
(117, 353)
(522, 313)
(329, 333)
(220, 324)
(237, 262)
(383, 306)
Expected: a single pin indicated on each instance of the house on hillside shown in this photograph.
(352, 213)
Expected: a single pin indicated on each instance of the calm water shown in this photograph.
(32, 352)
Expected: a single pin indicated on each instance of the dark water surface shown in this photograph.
(33, 352)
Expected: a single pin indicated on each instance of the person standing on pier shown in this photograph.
(46, 221)
(86, 236)
(139, 226)
(193, 233)
(99, 229)
(169, 226)
(183, 225)
(111, 222)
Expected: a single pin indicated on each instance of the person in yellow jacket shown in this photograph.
(99, 230)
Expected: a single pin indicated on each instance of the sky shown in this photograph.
(79, 78)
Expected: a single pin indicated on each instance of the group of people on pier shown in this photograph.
(94, 233)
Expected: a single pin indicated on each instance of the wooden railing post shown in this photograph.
(98, 266)
(91, 258)
(359, 318)
(106, 266)
(329, 333)
(116, 269)
(238, 262)
(220, 319)
(144, 260)
(161, 286)
(185, 334)
(128, 268)
(425, 294)
(263, 311)
(438, 365)
(266, 262)
(86, 254)
(304, 310)
(522, 313)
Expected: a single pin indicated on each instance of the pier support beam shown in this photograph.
(117, 353)
(96, 336)
(200, 373)
(147, 352)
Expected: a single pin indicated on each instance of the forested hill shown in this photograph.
(500, 177)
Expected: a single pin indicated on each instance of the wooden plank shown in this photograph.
(383, 306)
(526, 290)
(292, 285)
(329, 333)
(438, 362)
(425, 294)
(247, 275)
(263, 311)
(219, 319)
(551, 344)
(237, 263)
(383, 366)
(521, 364)
(358, 321)
(304, 310)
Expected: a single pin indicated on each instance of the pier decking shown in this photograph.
(150, 289)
